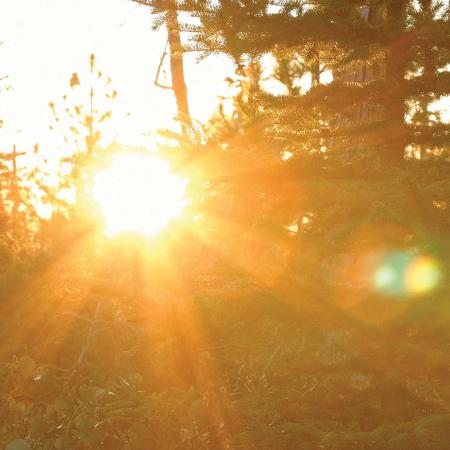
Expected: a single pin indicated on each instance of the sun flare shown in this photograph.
(138, 193)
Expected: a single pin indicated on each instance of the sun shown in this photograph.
(138, 193)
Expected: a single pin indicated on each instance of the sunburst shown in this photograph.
(138, 193)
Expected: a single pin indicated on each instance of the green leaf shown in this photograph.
(38, 426)
(90, 393)
(18, 444)
(84, 423)
(61, 404)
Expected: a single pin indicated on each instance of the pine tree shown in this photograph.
(393, 35)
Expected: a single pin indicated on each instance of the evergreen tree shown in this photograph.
(392, 37)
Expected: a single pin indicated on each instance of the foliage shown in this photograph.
(222, 363)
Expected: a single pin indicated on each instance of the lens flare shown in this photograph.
(405, 275)
(422, 275)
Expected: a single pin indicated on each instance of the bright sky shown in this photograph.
(45, 41)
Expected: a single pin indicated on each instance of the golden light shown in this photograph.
(138, 193)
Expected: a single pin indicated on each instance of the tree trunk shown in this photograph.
(176, 67)
(396, 63)
(429, 65)
(15, 194)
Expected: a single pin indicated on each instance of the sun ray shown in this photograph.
(200, 352)
(25, 317)
(269, 258)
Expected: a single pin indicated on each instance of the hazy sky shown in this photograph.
(45, 41)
